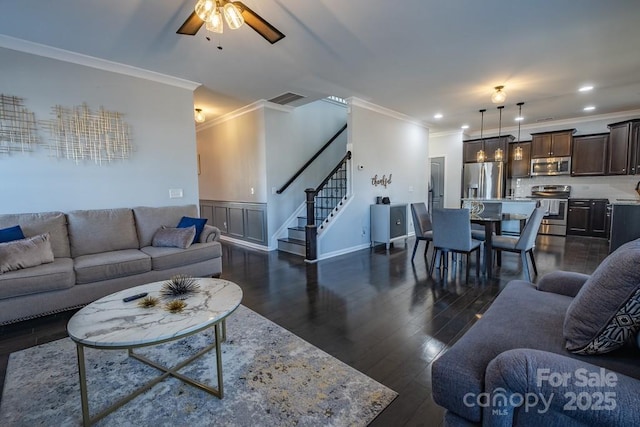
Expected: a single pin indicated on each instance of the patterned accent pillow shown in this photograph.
(169, 237)
(605, 314)
(29, 252)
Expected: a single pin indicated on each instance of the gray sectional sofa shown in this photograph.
(98, 252)
(543, 355)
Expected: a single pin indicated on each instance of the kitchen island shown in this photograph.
(625, 222)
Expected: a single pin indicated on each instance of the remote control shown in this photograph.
(134, 297)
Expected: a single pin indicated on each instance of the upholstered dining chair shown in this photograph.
(452, 233)
(422, 227)
(524, 244)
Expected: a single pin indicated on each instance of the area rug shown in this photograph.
(271, 378)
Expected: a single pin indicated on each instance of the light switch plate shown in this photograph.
(175, 193)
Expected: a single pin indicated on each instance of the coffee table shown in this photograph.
(111, 324)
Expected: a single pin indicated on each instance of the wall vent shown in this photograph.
(286, 98)
(546, 119)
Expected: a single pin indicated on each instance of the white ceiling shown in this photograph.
(418, 57)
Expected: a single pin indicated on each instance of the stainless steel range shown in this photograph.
(555, 200)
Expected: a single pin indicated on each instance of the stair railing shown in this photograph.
(321, 202)
(306, 165)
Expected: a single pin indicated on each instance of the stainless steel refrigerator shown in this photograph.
(483, 180)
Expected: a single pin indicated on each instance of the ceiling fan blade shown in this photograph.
(261, 26)
(191, 25)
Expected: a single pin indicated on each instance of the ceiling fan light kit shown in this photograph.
(236, 13)
(214, 24)
(233, 16)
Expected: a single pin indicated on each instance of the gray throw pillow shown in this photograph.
(174, 237)
(29, 252)
(605, 314)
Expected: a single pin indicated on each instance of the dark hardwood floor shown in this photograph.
(372, 309)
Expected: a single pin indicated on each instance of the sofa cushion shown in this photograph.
(605, 314)
(102, 230)
(169, 237)
(25, 253)
(10, 234)
(110, 265)
(199, 223)
(150, 219)
(32, 224)
(53, 276)
(165, 258)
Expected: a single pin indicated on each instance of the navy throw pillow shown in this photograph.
(186, 222)
(10, 234)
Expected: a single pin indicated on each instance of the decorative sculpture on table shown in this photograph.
(475, 207)
(180, 287)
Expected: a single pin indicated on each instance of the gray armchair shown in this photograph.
(528, 335)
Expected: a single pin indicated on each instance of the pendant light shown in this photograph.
(517, 153)
(498, 154)
(480, 156)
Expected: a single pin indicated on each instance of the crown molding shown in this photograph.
(444, 133)
(613, 117)
(46, 51)
(261, 104)
(353, 101)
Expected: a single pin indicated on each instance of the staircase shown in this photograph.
(325, 201)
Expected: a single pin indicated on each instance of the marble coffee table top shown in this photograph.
(111, 323)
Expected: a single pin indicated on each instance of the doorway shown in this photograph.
(436, 184)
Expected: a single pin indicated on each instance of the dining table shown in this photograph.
(492, 222)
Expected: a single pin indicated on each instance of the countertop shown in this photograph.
(625, 202)
(506, 199)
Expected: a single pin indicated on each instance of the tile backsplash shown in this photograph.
(587, 187)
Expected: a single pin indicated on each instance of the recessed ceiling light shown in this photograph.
(589, 108)
(437, 116)
(519, 118)
(585, 88)
(464, 127)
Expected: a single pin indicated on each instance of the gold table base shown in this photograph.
(88, 420)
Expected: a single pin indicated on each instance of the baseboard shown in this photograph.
(246, 244)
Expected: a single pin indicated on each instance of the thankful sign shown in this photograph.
(384, 181)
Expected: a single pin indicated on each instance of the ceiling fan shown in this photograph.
(210, 12)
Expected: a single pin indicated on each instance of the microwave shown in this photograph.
(551, 166)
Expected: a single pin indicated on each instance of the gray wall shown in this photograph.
(232, 159)
(262, 148)
(162, 129)
(384, 143)
(292, 139)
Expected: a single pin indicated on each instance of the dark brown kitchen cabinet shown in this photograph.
(551, 144)
(589, 155)
(470, 150)
(471, 147)
(587, 217)
(624, 148)
(519, 168)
